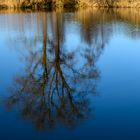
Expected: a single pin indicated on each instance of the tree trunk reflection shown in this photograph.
(52, 89)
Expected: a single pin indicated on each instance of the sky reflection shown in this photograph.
(76, 70)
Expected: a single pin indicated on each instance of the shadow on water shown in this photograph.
(55, 84)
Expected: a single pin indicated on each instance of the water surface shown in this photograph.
(70, 75)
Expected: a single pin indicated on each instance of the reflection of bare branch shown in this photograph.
(50, 90)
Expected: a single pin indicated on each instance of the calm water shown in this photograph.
(70, 75)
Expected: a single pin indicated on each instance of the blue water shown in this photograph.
(98, 53)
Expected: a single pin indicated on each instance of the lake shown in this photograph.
(71, 74)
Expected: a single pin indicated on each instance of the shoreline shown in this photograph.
(68, 4)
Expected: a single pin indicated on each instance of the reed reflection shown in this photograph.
(55, 85)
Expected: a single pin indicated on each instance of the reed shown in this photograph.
(68, 3)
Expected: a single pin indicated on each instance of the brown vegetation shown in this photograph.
(69, 3)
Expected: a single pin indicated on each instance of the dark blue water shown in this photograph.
(70, 75)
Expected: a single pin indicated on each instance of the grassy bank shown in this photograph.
(68, 3)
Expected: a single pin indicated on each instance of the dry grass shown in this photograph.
(69, 3)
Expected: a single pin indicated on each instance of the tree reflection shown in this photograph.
(53, 88)
(55, 84)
